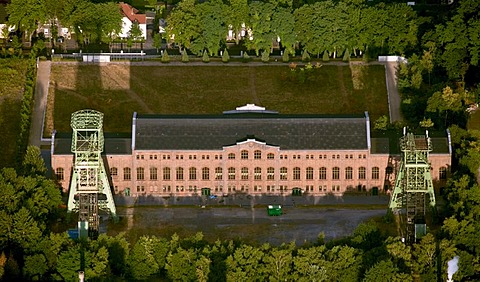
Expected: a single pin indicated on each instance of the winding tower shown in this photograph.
(413, 185)
(89, 187)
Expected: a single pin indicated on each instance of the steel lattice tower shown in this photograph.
(89, 187)
(413, 184)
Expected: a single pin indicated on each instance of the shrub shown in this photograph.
(346, 55)
(325, 58)
(285, 57)
(225, 56)
(305, 56)
(184, 56)
(246, 57)
(265, 57)
(165, 57)
(205, 57)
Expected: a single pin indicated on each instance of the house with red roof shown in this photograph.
(130, 16)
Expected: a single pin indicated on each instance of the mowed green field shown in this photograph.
(12, 82)
(119, 90)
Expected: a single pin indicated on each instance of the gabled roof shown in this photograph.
(132, 14)
(289, 132)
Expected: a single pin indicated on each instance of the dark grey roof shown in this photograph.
(113, 146)
(440, 145)
(214, 132)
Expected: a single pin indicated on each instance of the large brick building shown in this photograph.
(249, 150)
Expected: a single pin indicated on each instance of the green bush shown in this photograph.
(225, 56)
(325, 58)
(165, 57)
(184, 56)
(265, 57)
(285, 57)
(205, 57)
(246, 58)
(305, 56)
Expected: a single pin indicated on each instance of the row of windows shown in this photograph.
(193, 173)
(257, 155)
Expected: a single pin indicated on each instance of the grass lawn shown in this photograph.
(120, 90)
(12, 82)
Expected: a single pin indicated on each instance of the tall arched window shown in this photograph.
(283, 173)
(348, 172)
(179, 172)
(231, 156)
(205, 173)
(153, 173)
(270, 173)
(375, 172)
(296, 173)
(322, 173)
(244, 155)
(231, 173)
(336, 173)
(257, 154)
(113, 171)
(166, 173)
(218, 173)
(59, 173)
(309, 173)
(140, 173)
(257, 173)
(127, 173)
(192, 173)
(361, 172)
(244, 172)
(442, 173)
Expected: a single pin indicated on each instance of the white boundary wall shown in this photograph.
(392, 59)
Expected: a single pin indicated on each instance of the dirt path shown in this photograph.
(41, 93)
(252, 86)
(393, 94)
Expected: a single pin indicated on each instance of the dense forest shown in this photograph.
(437, 85)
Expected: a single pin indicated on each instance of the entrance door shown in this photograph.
(205, 191)
(296, 192)
(375, 191)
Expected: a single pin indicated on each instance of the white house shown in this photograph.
(130, 15)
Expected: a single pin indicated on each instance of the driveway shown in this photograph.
(40, 104)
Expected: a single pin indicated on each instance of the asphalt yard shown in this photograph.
(336, 217)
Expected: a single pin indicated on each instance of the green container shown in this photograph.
(274, 210)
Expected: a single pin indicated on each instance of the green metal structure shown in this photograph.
(413, 184)
(89, 187)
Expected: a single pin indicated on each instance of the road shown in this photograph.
(393, 94)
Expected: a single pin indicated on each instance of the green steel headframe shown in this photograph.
(89, 178)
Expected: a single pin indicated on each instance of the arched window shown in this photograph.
(336, 173)
(140, 173)
(166, 173)
(442, 173)
(244, 154)
(127, 173)
(153, 173)
(218, 173)
(59, 173)
(309, 173)
(270, 156)
(375, 172)
(244, 172)
(231, 156)
(322, 173)
(361, 172)
(192, 173)
(296, 173)
(231, 173)
(113, 171)
(283, 173)
(257, 173)
(205, 173)
(257, 154)
(179, 172)
(270, 173)
(348, 172)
